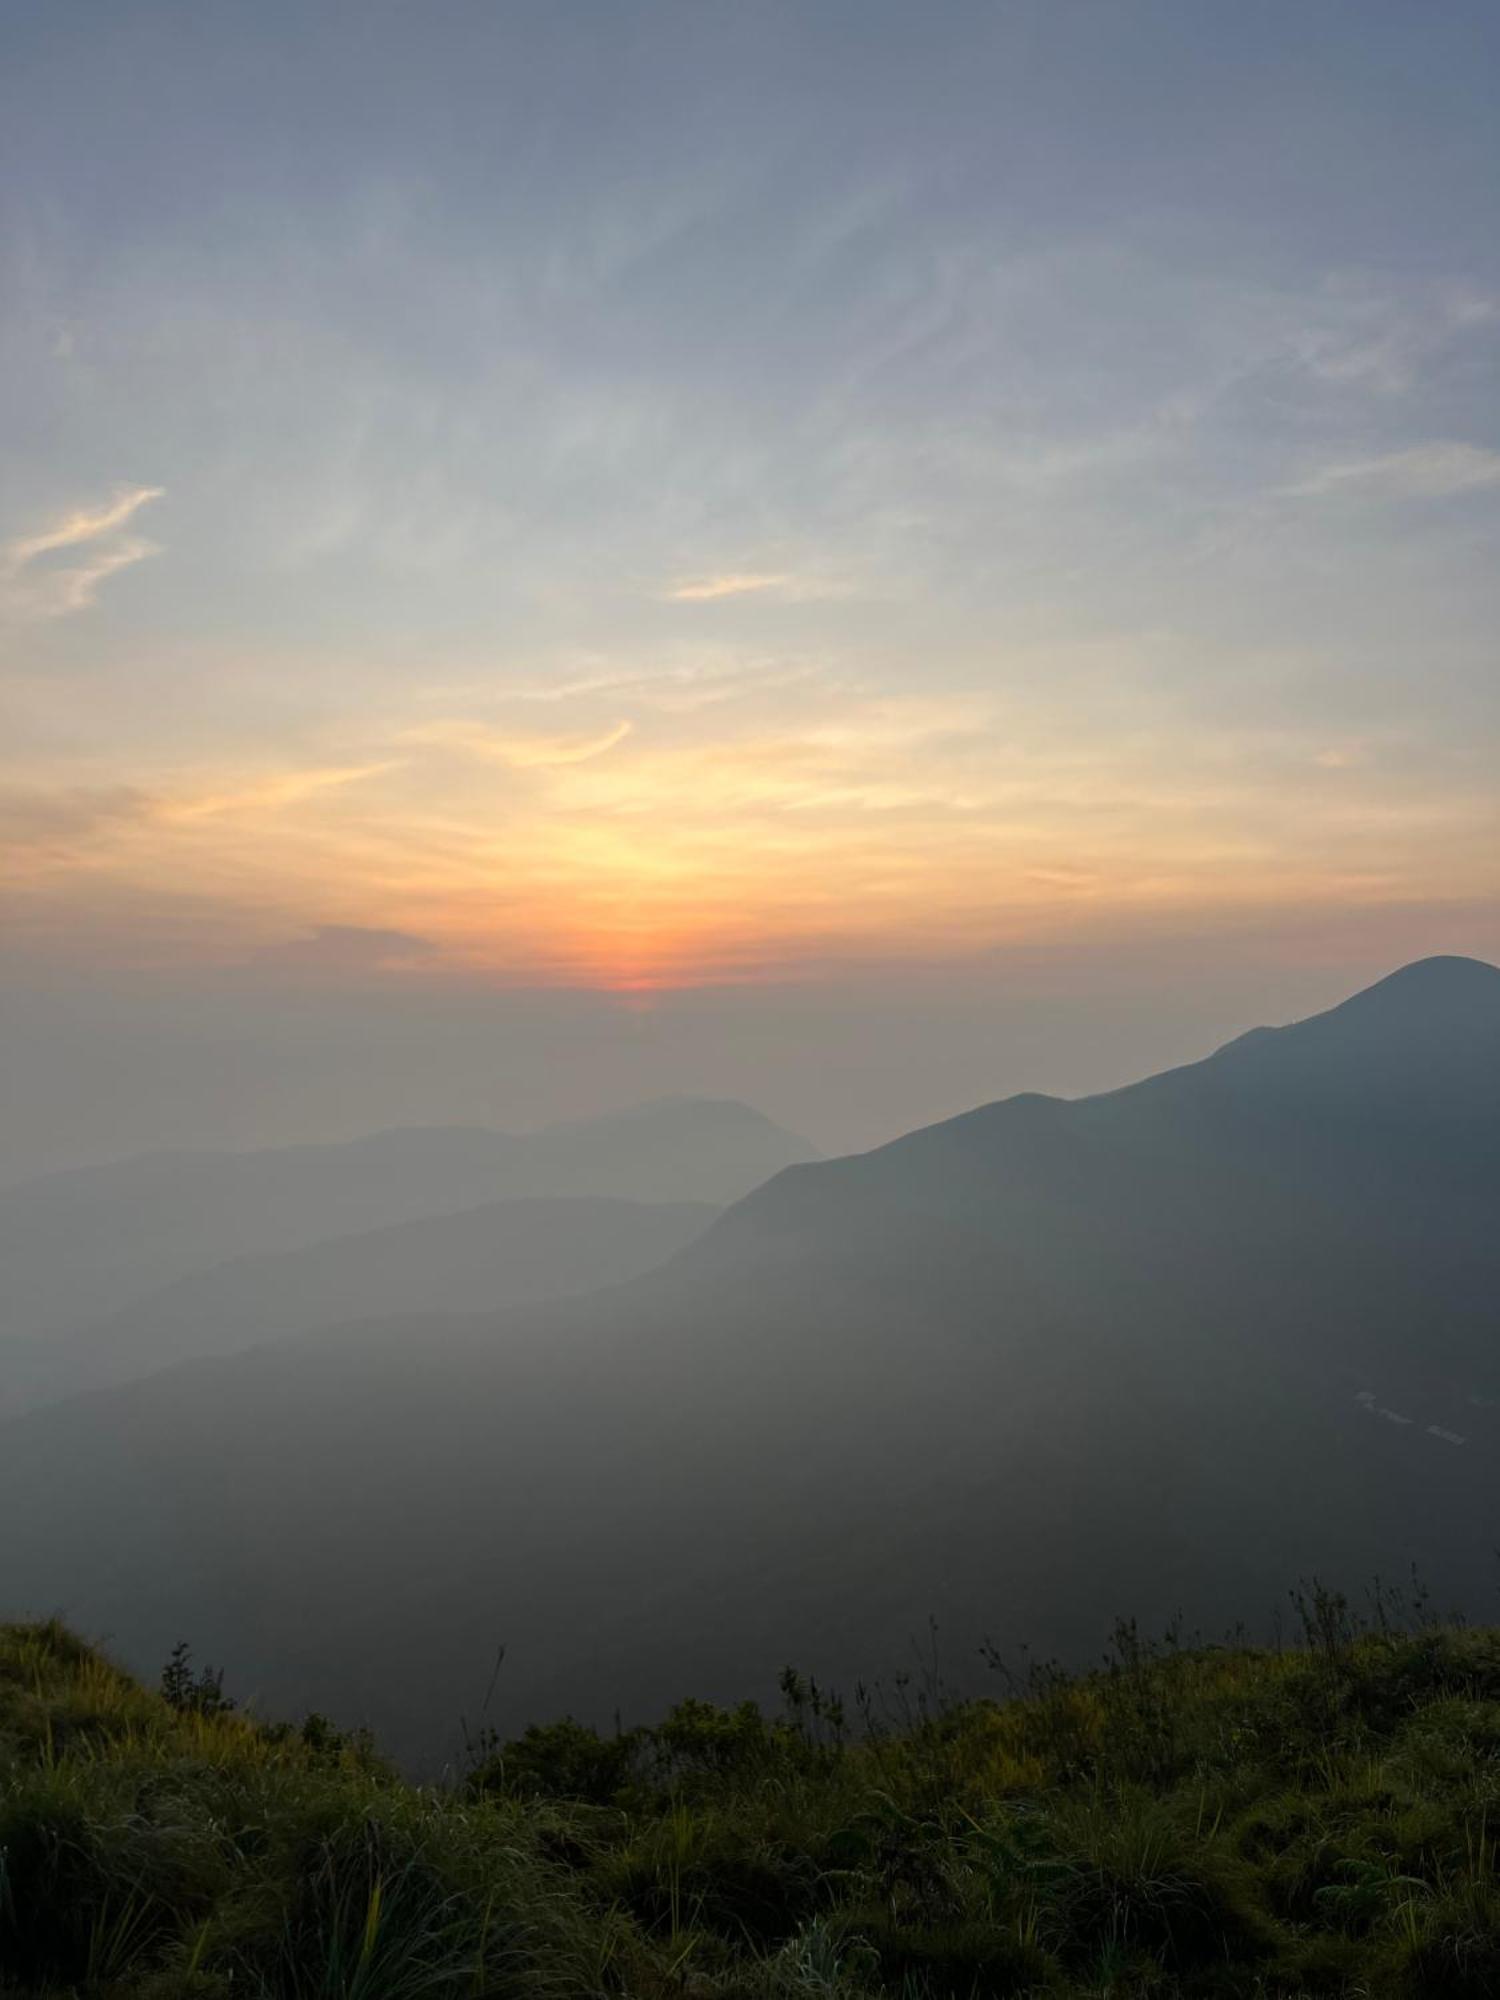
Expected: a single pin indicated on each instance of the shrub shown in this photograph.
(1187, 1822)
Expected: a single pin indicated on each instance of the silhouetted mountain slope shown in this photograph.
(76, 1246)
(506, 1253)
(1168, 1348)
(1360, 1148)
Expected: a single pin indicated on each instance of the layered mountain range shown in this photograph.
(1165, 1350)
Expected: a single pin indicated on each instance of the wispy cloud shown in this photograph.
(1361, 335)
(517, 751)
(85, 526)
(94, 542)
(734, 583)
(271, 794)
(784, 586)
(676, 688)
(1422, 472)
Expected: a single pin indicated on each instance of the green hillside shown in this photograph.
(1185, 1821)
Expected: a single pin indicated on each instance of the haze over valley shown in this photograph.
(1236, 1323)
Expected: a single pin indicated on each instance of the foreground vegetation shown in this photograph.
(1204, 1821)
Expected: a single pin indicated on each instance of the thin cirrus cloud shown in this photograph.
(733, 583)
(271, 794)
(519, 752)
(1439, 471)
(58, 825)
(679, 688)
(94, 543)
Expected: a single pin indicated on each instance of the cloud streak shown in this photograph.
(1439, 471)
(33, 586)
(271, 794)
(517, 752)
(734, 583)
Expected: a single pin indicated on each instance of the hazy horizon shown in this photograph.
(92, 1078)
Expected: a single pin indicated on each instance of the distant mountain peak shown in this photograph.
(1428, 995)
(1443, 973)
(1430, 1029)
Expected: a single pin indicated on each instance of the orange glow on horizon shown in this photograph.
(745, 844)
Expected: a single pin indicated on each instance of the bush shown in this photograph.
(1187, 1822)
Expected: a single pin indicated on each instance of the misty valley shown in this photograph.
(652, 1405)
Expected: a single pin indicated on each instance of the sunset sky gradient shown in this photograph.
(648, 498)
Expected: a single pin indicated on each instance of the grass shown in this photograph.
(1188, 1821)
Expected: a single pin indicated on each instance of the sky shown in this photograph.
(864, 555)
